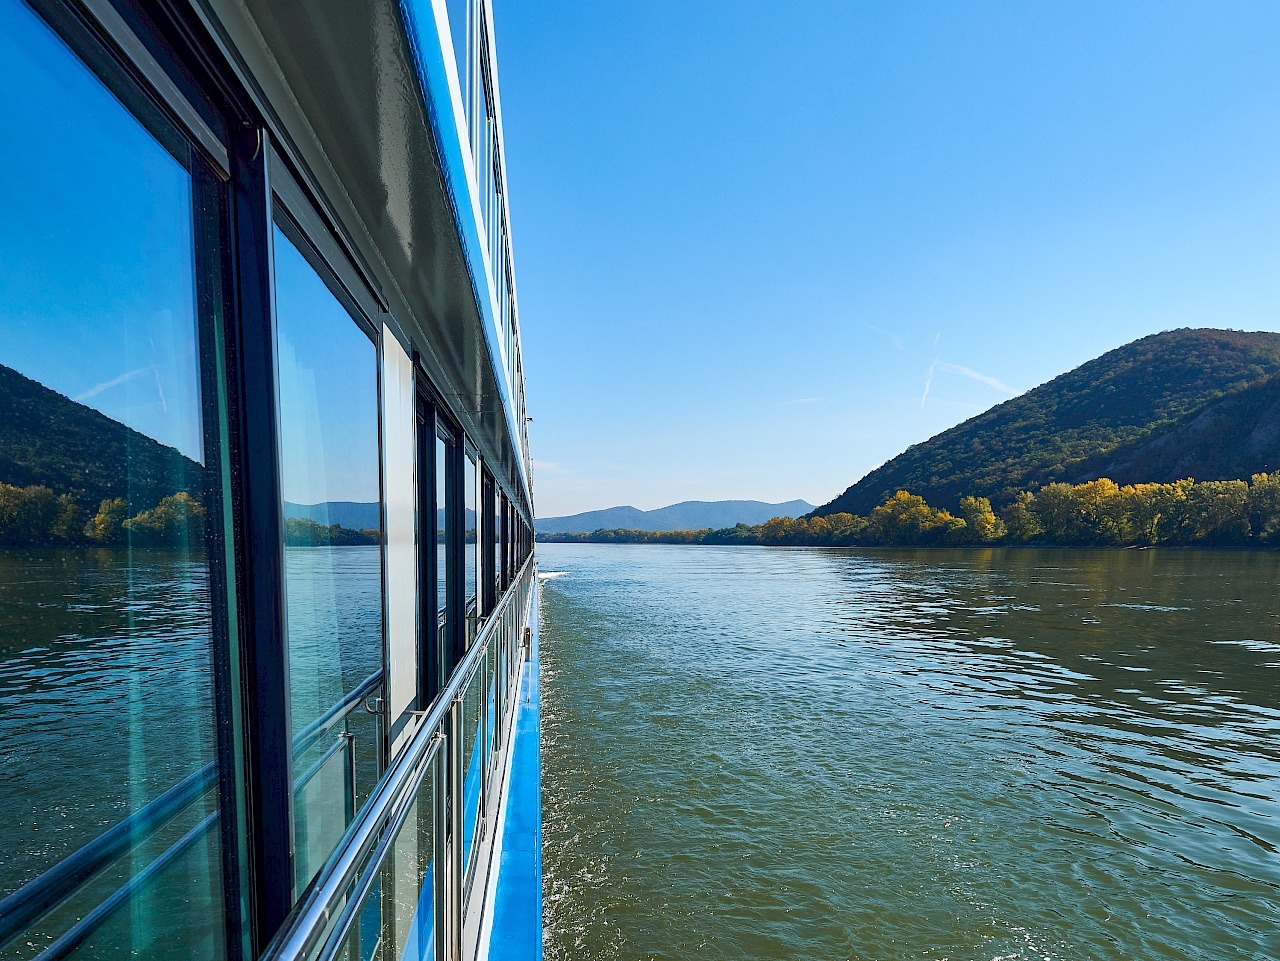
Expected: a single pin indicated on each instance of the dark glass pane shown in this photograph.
(444, 566)
(499, 509)
(504, 552)
(458, 11)
(471, 563)
(327, 370)
(106, 618)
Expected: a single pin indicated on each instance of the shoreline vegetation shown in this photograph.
(1098, 513)
(35, 516)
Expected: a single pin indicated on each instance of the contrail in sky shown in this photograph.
(108, 384)
(989, 381)
(928, 380)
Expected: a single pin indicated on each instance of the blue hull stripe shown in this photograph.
(517, 916)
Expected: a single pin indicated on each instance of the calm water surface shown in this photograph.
(997, 755)
(106, 702)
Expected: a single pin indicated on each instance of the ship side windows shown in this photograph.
(499, 520)
(487, 492)
(446, 572)
(471, 565)
(242, 548)
(111, 485)
(442, 544)
(506, 543)
(429, 581)
(327, 386)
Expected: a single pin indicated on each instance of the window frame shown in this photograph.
(119, 54)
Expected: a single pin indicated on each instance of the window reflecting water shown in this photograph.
(396, 922)
(327, 374)
(499, 506)
(505, 533)
(444, 569)
(471, 564)
(106, 617)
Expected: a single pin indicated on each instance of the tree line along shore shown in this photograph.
(1097, 513)
(35, 516)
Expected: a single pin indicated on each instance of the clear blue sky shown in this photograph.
(328, 382)
(97, 284)
(746, 232)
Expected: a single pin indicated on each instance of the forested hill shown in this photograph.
(1105, 418)
(1231, 438)
(49, 440)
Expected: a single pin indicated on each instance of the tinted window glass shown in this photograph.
(444, 565)
(499, 506)
(397, 918)
(471, 564)
(459, 12)
(106, 617)
(328, 387)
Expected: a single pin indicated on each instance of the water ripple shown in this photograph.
(760, 753)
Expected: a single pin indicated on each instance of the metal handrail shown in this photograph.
(80, 931)
(308, 923)
(40, 894)
(364, 883)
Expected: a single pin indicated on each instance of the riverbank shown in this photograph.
(1099, 513)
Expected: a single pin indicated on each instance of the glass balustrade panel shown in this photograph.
(472, 761)
(397, 919)
(472, 546)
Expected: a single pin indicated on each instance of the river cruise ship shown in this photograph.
(268, 652)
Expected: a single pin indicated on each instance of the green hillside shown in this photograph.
(1233, 437)
(49, 440)
(1103, 416)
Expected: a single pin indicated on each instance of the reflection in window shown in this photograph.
(471, 564)
(397, 918)
(499, 507)
(460, 12)
(444, 567)
(473, 760)
(327, 382)
(106, 616)
(505, 533)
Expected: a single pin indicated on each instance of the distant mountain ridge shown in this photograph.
(687, 515)
(1181, 403)
(49, 440)
(355, 515)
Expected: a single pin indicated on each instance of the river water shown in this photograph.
(107, 702)
(818, 754)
